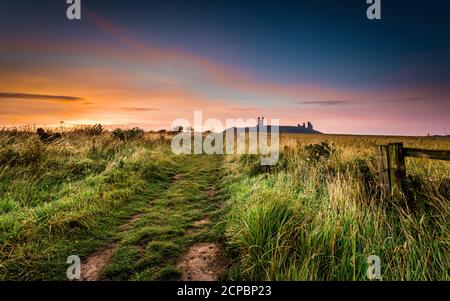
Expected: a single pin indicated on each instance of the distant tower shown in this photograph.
(310, 126)
(260, 121)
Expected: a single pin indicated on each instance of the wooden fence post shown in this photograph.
(391, 165)
(397, 169)
(392, 168)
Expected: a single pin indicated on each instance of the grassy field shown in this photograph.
(317, 215)
(84, 194)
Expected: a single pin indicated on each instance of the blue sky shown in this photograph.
(319, 57)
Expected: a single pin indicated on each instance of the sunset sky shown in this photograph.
(146, 63)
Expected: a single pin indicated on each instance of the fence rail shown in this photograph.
(392, 168)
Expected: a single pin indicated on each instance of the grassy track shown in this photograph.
(74, 199)
(150, 249)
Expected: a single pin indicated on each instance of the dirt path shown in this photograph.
(93, 266)
(129, 224)
(202, 262)
(150, 241)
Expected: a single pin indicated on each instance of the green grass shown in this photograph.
(162, 234)
(71, 199)
(309, 219)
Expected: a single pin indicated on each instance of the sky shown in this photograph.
(148, 63)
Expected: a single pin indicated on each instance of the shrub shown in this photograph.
(94, 130)
(320, 150)
(133, 133)
(251, 164)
